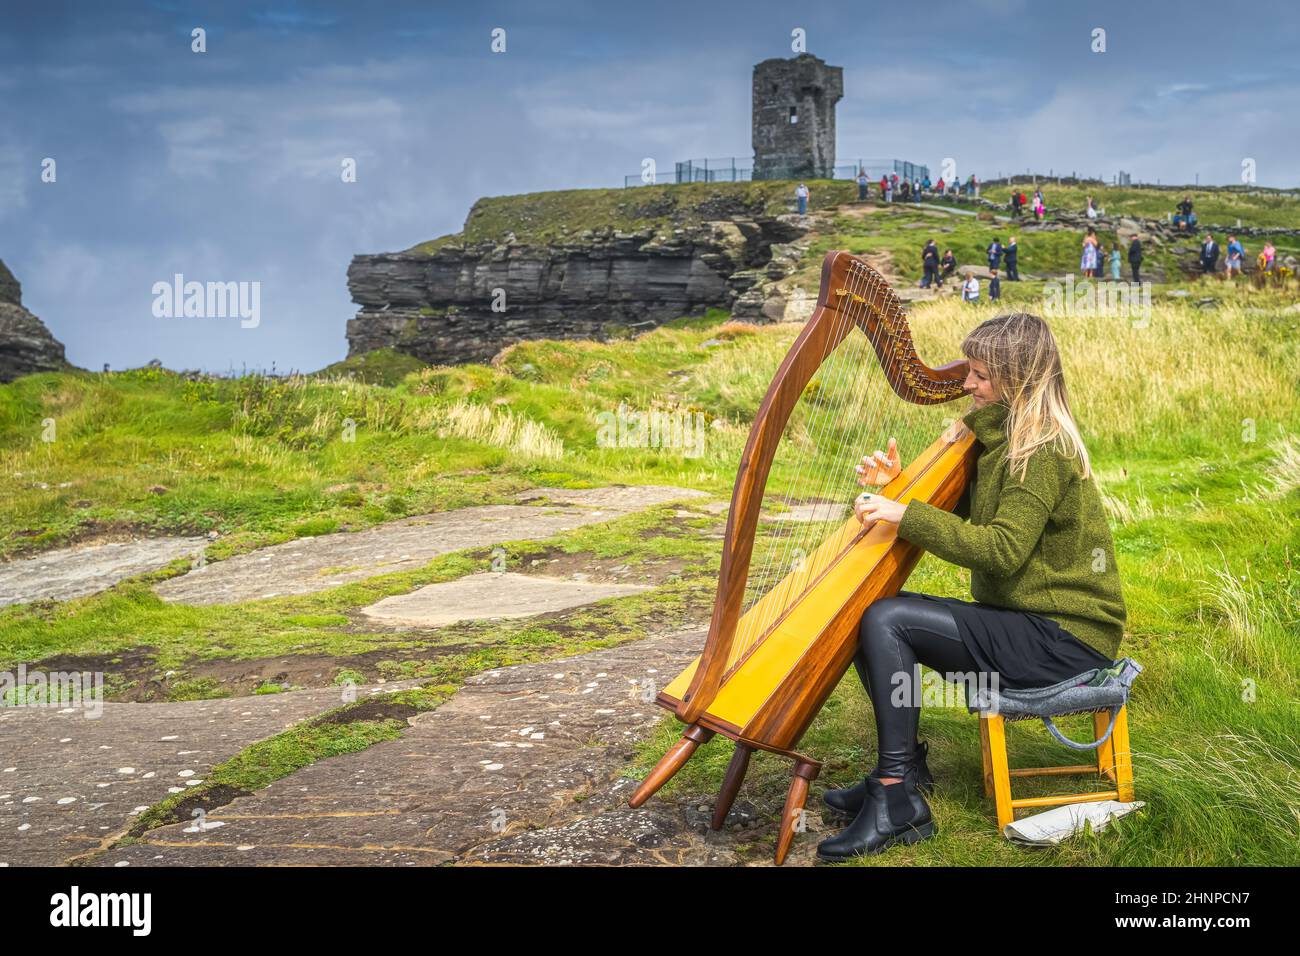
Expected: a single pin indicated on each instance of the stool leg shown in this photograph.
(1106, 752)
(984, 752)
(1123, 757)
(997, 729)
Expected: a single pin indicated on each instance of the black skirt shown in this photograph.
(1023, 649)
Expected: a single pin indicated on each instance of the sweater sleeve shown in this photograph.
(1001, 547)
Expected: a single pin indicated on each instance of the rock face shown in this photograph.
(26, 345)
(464, 303)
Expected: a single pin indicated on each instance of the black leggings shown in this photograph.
(895, 636)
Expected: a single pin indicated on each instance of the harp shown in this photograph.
(774, 653)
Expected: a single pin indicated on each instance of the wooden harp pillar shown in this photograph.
(800, 637)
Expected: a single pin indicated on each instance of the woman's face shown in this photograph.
(979, 384)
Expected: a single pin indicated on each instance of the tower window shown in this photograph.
(794, 114)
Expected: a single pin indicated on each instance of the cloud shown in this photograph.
(14, 180)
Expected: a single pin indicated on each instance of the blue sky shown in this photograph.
(224, 166)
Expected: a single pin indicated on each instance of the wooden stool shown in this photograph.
(1114, 761)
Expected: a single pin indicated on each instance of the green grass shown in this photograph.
(895, 229)
(1191, 421)
(380, 367)
(1223, 206)
(130, 615)
(565, 214)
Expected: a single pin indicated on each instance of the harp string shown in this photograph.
(755, 625)
(868, 403)
(789, 566)
(789, 553)
(797, 534)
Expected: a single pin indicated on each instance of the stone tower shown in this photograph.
(794, 117)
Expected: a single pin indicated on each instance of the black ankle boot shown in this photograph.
(847, 801)
(893, 813)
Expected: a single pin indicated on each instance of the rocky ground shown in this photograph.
(26, 345)
(523, 764)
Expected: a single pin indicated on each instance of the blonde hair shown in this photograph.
(1025, 368)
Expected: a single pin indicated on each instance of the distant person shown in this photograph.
(1269, 255)
(1184, 218)
(975, 185)
(930, 264)
(947, 265)
(940, 186)
(904, 191)
(925, 183)
(1088, 262)
(970, 290)
(1012, 252)
(1209, 255)
(1040, 208)
(863, 182)
(884, 188)
(889, 191)
(916, 190)
(995, 286)
(1114, 261)
(1236, 257)
(1135, 257)
(1015, 204)
(801, 193)
(1092, 209)
(994, 252)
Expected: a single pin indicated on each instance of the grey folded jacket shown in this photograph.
(1096, 689)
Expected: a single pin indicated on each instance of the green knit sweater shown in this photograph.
(1041, 546)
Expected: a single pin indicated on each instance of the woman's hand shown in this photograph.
(872, 508)
(879, 468)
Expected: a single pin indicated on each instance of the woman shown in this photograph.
(1114, 261)
(1040, 208)
(1089, 260)
(1032, 531)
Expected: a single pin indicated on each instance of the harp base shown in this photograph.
(805, 772)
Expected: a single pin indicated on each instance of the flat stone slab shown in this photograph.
(819, 511)
(74, 572)
(70, 783)
(307, 565)
(625, 498)
(490, 595)
(522, 765)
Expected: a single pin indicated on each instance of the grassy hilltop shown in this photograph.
(1192, 420)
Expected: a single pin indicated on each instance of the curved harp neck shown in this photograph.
(877, 310)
